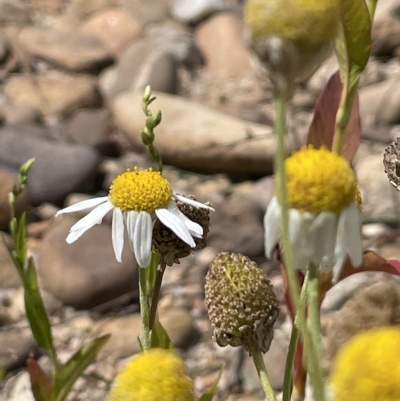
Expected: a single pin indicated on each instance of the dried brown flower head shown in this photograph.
(169, 245)
(241, 303)
(391, 161)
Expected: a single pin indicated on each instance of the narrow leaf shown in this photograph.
(322, 127)
(70, 372)
(159, 336)
(36, 312)
(209, 395)
(20, 238)
(41, 384)
(354, 45)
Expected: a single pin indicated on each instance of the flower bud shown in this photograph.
(241, 303)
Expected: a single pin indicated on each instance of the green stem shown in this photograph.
(313, 307)
(144, 308)
(293, 284)
(262, 373)
(156, 295)
(294, 337)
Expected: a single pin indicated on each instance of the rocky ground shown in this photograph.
(71, 75)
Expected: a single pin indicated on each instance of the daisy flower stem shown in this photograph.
(293, 284)
(294, 337)
(262, 373)
(313, 305)
(144, 307)
(156, 295)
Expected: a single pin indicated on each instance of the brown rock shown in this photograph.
(124, 332)
(53, 93)
(82, 9)
(84, 274)
(179, 325)
(374, 306)
(220, 39)
(115, 27)
(196, 137)
(69, 48)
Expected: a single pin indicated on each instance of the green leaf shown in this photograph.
(70, 372)
(41, 384)
(36, 312)
(208, 396)
(20, 238)
(354, 44)
(159, 336)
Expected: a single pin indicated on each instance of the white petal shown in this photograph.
(353, 234)
(117, 233)
(94, 217)
(142, 239)
(87, 222)
(174, 223)
(131, 218)
(323, 235)
(86, 204)
(272, 226)
(194, 229)
(193, 202)
(301, 237)
(76, 234)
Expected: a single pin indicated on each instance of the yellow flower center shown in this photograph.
(368, 368)
(154, 375)
(145, 191)
(319, 180)
(309, 24)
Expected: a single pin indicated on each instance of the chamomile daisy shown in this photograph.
(137, 198)
(324, 220)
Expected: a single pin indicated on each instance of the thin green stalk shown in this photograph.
(144, 308)
(294, 337)
(313, 308)
(262, 373)
(293, 284)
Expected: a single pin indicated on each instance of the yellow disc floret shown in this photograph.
(309, 24)
(145, 191)
(368, 367)
(154, 375)
(319, 180)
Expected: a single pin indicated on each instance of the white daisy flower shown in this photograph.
(324, 220)
(137, 199)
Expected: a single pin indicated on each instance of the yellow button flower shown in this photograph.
(154, 375)
(324, 220)
(137, 198)
(290, 37)
(367, 367)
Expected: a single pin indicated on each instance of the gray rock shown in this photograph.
(71, 49)
(18, 388)
(149, 11)
(380, 103)
(138, 67)
(59, 168)
(190, 11)
(237, 227)
(55, 93)
(15, 348)
(84, 274)
(196, 137)
(90, 127)
(380, 199)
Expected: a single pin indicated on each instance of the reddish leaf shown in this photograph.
(322, 128)
(41, 384)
